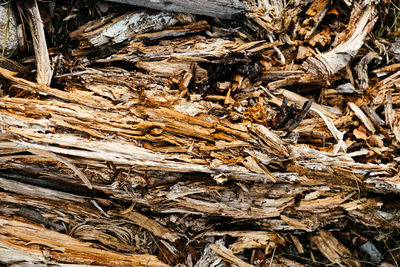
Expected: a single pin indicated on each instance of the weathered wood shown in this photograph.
(185, 129)
(13, 235)
(350, 42)
(228, 255)
(44, 71)
(116, 29)
(221, 9)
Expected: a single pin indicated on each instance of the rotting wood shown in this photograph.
(148, 224)
(329, 63)
(121, 28)
(59, 246)
(213, 8)
(228, 255)
(44, 71)
(194, 125)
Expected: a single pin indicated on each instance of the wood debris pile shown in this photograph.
(250, 133)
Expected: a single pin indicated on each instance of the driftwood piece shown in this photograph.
(221, 9)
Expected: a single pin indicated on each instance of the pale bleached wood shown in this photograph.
(363, 118)
(44, 71)
(323, 65)
(228, 255)
(118, 29)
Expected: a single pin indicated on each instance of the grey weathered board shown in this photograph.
(213, 8)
